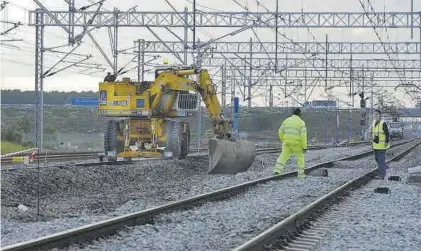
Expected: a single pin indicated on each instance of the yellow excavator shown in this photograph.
(149, 120)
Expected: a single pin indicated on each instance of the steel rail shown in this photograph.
(202, 152)
(9, 160)
(61, 157)
(54, 153)
(108, 227)
(295, 222)
(314, 147)
(64, 154)
(43, 154)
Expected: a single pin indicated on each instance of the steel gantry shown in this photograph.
(232, 19)
(367, 63)
(290, 47)
(87, 21)
(299, 73)
(310, 78)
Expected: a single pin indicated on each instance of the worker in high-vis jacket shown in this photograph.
(380, 137)
(293, 135)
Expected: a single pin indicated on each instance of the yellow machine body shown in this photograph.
(148, 118)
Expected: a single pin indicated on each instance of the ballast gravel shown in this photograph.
(226, 224)
(372, 221)
(71, 197)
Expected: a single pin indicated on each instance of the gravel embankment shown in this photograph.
(226, 224)
(70, 191)
(71, 197)
(372, 221)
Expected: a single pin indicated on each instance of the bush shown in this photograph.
(11, 135)
(28, 144)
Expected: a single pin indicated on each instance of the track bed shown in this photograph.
(154, 191)
(369, 221)
(115, 190)
(226, 224)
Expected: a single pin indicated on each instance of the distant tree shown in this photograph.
(24, 125)
(8, 133)
(50, 98)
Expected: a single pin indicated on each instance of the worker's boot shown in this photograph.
(301, 174)
(277, 172)
(279, 169)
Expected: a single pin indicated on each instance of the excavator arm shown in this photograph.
(226, 155)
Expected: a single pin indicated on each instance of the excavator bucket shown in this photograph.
(230, 157)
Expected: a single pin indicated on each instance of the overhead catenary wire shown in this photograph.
(202, 6)
(51, 33)
(380, 40)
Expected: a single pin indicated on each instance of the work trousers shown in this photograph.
(287, 151)
(380, 157)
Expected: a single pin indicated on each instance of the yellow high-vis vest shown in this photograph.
(378, 131)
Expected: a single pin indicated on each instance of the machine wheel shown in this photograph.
(178, 141)
(185, 139)
(110, 136)
(106, 146)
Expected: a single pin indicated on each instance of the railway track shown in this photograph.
(263, 150)
(303, 229)
(43, 154)
(108, 227)
(52, 157)
(72, 156)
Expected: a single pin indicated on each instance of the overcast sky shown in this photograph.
(17, 64)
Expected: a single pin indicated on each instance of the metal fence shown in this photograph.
(261, 125)
(324, 126)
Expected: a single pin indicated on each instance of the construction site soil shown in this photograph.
(74, 196)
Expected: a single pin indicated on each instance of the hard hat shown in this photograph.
(165, 61)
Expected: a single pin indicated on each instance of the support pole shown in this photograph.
(199, 114)
(39, 91)
(286, 75)
(236, 113)
(194, 24)
(251, 73)
(140, 44)
(276, 36)
(143, 60)
(366, 120)
(327, 48)
(305, 86)
(199, 122)
(71, 22)
(337, 121)
(271, 96)
(412, 19)
(186, 39)
(351, 86)
(326, 127)
(139, 59)
(39, 79)
(224, 88)
(115, 49)
(370, 112)
(349, 125)
(234, 82)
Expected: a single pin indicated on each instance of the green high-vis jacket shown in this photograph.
(293, 132)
